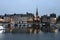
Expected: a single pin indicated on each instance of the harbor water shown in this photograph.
(30, 36)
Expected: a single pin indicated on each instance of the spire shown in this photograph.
(36, 11)
(36, 18)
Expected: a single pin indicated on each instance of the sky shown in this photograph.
(23, 6)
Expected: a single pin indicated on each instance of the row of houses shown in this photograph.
(26, 20)
(16, 19)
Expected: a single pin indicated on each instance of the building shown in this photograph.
(36, 21)
(53, 18)
(58, 19)
(18, 19)
(45, 18)
(45, 21)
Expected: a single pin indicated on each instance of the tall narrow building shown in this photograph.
(36, 12)
(36, 23)
(36, 18)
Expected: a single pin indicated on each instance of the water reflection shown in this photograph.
(31, 36)
(1, 36)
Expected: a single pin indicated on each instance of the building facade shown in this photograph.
(18, 19)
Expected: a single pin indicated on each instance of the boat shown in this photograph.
(2, 29)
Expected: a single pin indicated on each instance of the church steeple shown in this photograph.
(36, 12)
(36, 15)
